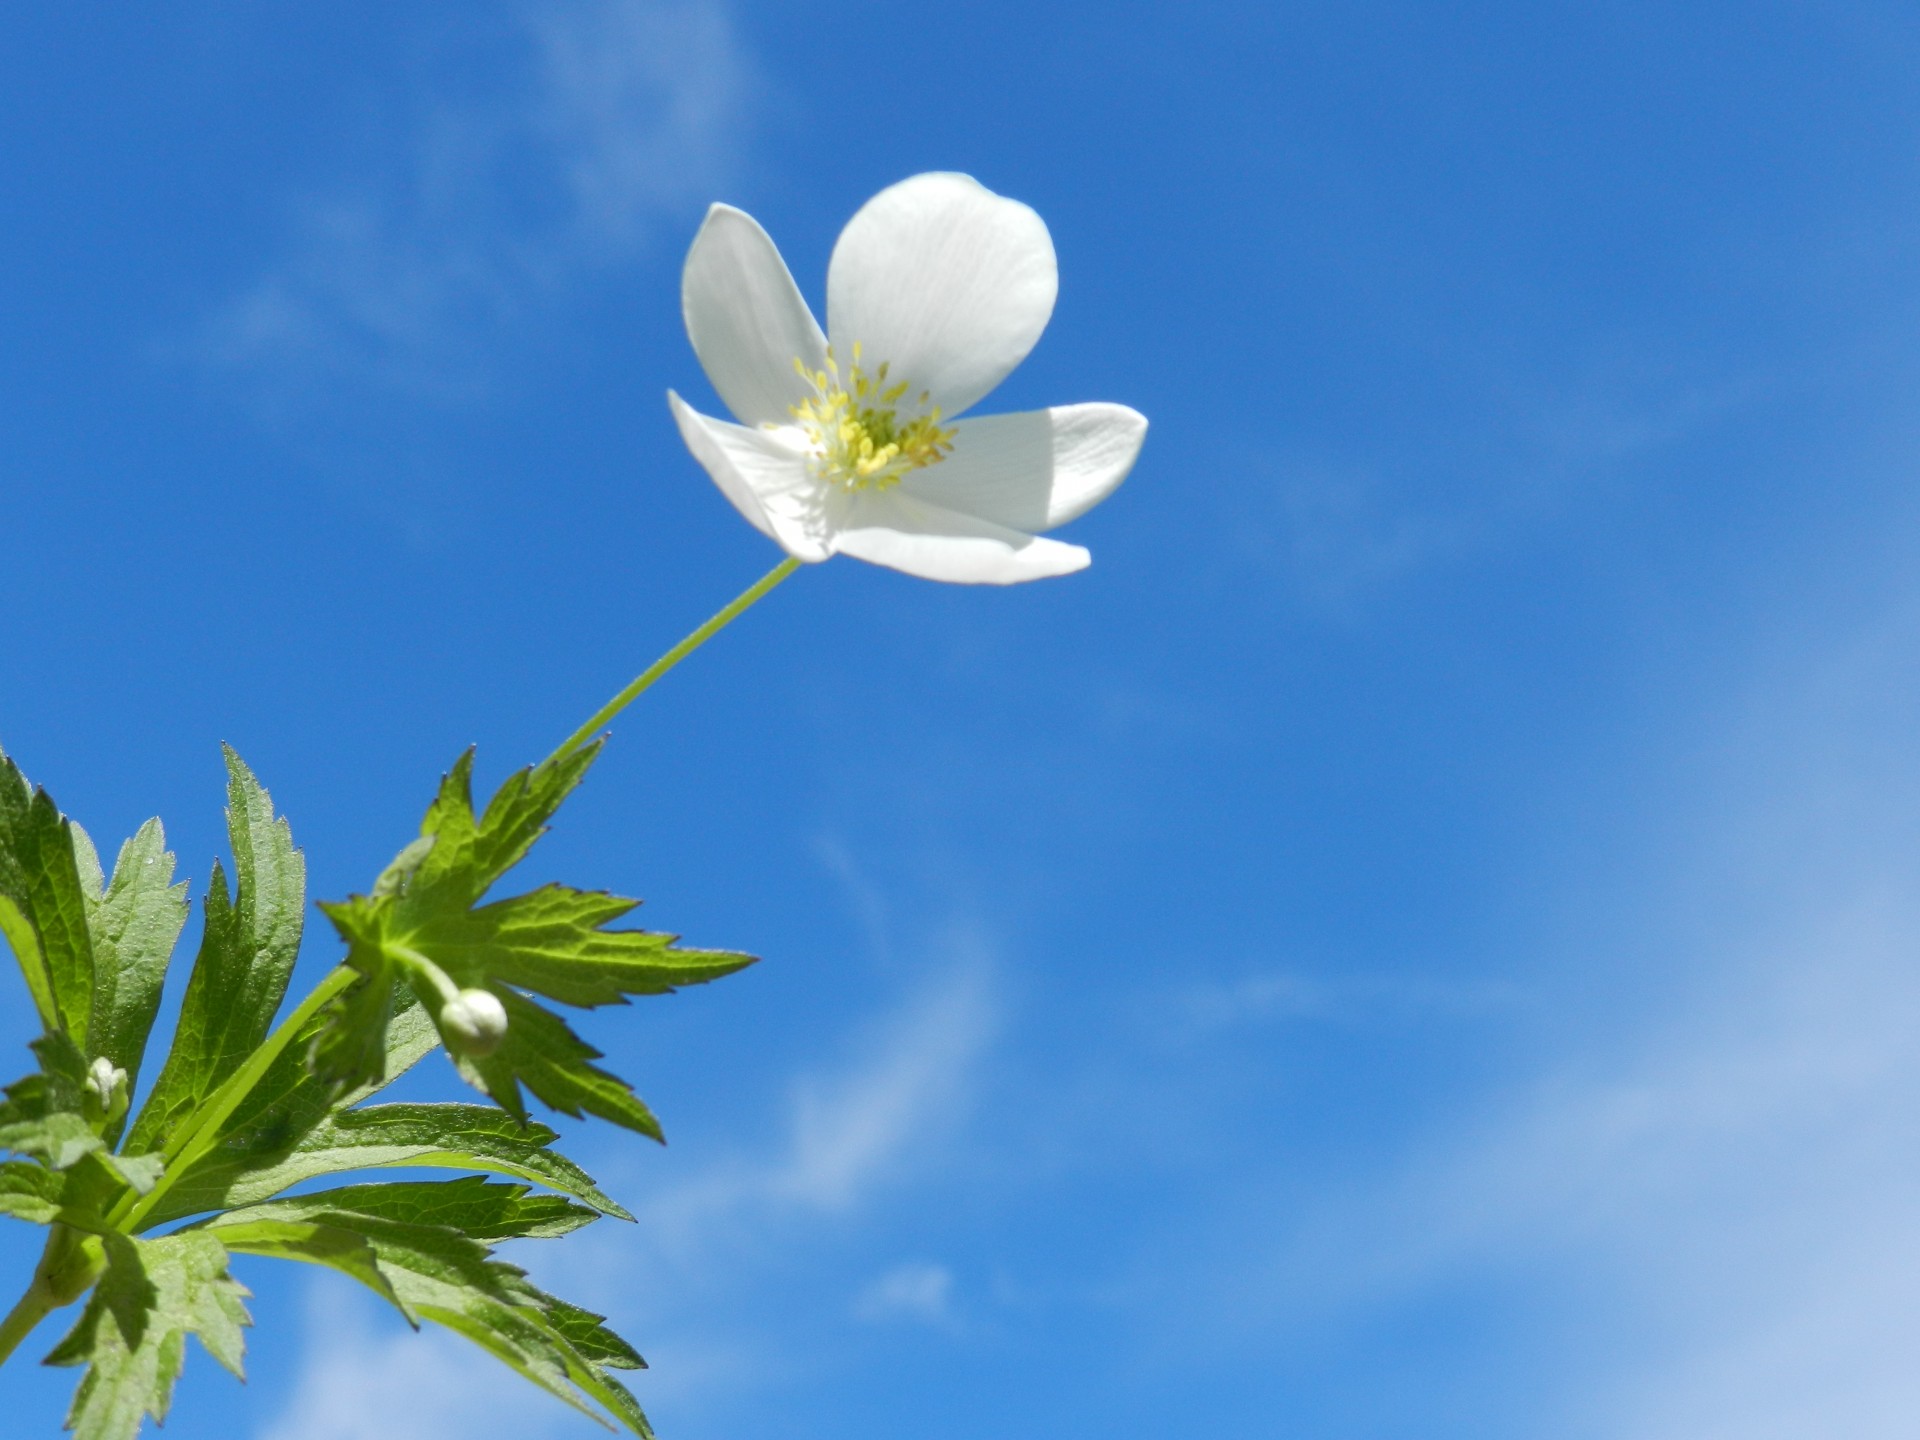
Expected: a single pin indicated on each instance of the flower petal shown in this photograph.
(946, 281)
(763, 474)
(906, 533)
(1035, 469)
(746, 318)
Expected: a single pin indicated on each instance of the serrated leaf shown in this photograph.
(278, 1115)
(420, 927)
(462, 1137)
(316, 1243)
(469, 855)
(349, 1048)
(541, 1051)
(31, 1192)
(140, 1172)
(444, 1274)
(476, 1208)
(246, 957)
(61, 1139)
(553, 941)
(44, 1114)
(132, 1335)
(133, 923)
(43, 912)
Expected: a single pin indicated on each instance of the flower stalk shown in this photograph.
(647, 678)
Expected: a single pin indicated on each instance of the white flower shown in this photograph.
(847, 442)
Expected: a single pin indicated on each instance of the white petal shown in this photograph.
(948, 282)
(1035, 469)
(906, 533)
(763, 474)
(746, 318)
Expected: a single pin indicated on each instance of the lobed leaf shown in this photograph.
(552, 941)
(132, 1335)
(420, 926)
(476, 1208)
(45, 1114)
(461, 1137)
(279, 1115)
(31, 1192)
(468, 855)
(430, 1244)
(245, 959)
(43, 909)
(541, 1051)
(133, 923)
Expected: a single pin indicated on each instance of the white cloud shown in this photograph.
(1529, 454)
(871, 1120)
(370, 1378)
(1717, 1172)
(1272, 996)
(857, 1127)
(917, 1291)
(608, 116)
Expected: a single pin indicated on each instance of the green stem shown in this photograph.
(194, 1140)
(34, 1307)
(68, 1267)
(645, 679)
(441, 982)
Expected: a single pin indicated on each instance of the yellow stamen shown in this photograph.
(854, 428)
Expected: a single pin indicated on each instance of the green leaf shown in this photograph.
(552, 942)
(349, 1047)
(43, 911)
(420, 925)
(541, 1051)
(316, 1243)
(476, 1208)
(31, 1192)
(469, 855)
(462, 1137)
(45, 1114)
(279, 1114)
(246, 956)
(140, 1172)
(132, 1335)
(133, 923)
(430, 1240)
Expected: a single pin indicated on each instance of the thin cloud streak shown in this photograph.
(857, 1128)
(1717, 1181)
(367, 1377)
(616, 115)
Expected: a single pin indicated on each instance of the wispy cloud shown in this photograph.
(367, 1377)
(1716, 1174)
(917, 1292)
(855, 1127)
(1278, 996)
(860, 1125)
(1340, 527)
(603, 117)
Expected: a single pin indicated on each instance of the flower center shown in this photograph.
(853, 425)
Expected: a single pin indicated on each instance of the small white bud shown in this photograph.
(473, 1023)
(106, 1089)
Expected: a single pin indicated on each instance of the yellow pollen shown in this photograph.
(854, 429)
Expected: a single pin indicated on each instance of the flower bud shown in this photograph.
(105, 1100)
(473, 1023)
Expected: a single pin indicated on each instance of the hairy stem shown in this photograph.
(34, 1306)
(68, 1267)
(646, 678)
(202, 1131)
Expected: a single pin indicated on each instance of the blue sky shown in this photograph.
(1418, 941)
